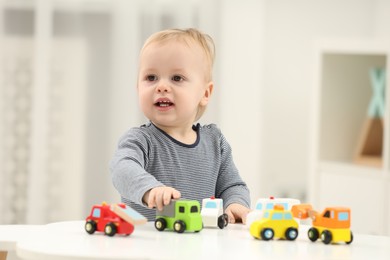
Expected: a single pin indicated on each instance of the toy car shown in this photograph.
(263, 204)
(113, 219)
(180, 215)
(332, 225)
(277, 222)
(212, 213)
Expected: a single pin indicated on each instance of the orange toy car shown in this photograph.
(332, 225)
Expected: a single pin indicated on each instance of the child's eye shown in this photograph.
(177, 78)
(151, 77)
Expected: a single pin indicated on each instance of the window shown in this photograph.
(266, 214)
(181, 209)
(287, 216)
(343, 216)
(285, 205)
(259, 206)
(270, 206)
(96, 213)
(327, 214)
(211, 205)
(277, 216)
(194, 209)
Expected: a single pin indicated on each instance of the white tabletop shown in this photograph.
(10, 234)
(68, 240)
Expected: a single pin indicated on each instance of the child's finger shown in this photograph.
(244, 214)
(243, 218)
(167, 197)
(151, 199)
(231, 217)
(176, 194)
(159, 199)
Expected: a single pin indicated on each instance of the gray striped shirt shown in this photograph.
(147, 158)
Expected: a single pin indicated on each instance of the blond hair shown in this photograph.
(188, 36)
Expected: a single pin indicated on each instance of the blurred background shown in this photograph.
(68, 90)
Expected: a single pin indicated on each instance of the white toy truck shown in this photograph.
(212, 213)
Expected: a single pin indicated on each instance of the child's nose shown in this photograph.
(163, 87)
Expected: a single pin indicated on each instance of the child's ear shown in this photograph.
(207, 93)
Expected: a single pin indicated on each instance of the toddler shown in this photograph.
(171, 156)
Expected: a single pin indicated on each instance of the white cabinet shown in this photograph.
(343, 91)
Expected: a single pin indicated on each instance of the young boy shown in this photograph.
(170, 157)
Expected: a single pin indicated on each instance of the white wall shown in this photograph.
(290, 29)
(240, 61)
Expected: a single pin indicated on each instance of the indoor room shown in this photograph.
(300, 94)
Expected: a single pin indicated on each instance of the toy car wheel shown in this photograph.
(313, 234)
(350, 241)
(110, 229)
(326, 236)
(225, 216)
(90, 226)
(179, 226)
(267, 234)
(160, 224)
(222, 221)
(291, 233)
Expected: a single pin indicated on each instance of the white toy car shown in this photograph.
(212, 213)
(263, 204)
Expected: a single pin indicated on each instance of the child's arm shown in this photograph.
(230, 187)
(237, 213)
(160, 196)
(128, 165)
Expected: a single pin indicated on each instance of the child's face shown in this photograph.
(173, 83)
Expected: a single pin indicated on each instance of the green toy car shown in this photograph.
(180, 216)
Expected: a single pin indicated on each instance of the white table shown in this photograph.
(68, 240)
(10, 234)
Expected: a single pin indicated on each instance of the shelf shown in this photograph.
(350, 130)
(345, 95)
(350, 169)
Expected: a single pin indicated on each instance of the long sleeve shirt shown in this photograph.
(147, 157)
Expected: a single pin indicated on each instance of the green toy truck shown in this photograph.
(180, 215)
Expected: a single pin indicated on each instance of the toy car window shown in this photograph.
(327, 214)
(259, 206)
(211, 205)
(288, 216)
(277, 216)
(194, 209)
(285, 205)
(270, 206)
(343, 216)
(181, 209)
(266, 214)
(96, 213)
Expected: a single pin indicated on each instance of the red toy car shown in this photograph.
(113, 219)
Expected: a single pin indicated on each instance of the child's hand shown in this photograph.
(237, 213)
(160, 196)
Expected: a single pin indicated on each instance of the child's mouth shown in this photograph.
(165, 103)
